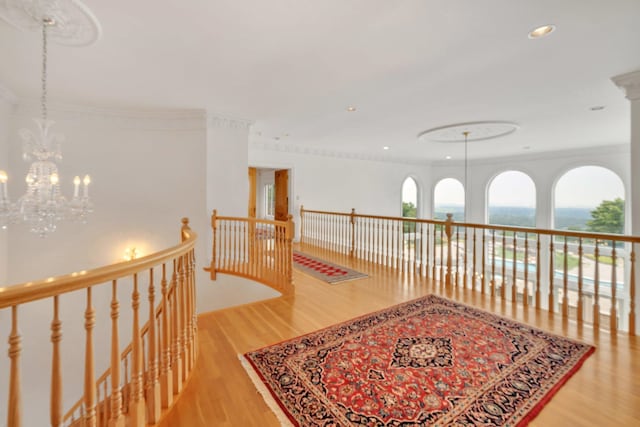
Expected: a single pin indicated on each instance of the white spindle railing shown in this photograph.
(515, 264)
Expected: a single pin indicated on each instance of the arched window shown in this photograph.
(410, 198)
(589, 198)
(512, 200)
(448, 197)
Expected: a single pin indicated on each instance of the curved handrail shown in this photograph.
(159, 358)
(257, 249)
(35, 290)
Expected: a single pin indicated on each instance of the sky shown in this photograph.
(586, 186)
(409, 191)
(449, 191)
(512, 188)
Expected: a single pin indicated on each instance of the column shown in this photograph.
(630, 84)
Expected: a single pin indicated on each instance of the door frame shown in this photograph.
(294, 199)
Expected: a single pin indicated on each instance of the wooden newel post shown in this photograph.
(137, 412)
(184, 229)
(289, 235)
(117, 417)
(56, 369)
(14, 407)
(301, 224)
(448, 229)
(153, 378)
(90, 417)
(632, 284)
(352, 232)
(214, 226)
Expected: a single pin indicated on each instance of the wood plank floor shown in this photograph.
(604, 392)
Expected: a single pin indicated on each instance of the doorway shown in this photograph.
(269, 193)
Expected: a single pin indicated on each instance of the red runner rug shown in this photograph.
(324, 270)
(426, 362)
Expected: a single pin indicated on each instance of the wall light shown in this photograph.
(131, 254)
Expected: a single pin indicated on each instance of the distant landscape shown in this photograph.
(565, 218)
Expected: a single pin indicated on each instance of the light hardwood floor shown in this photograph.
(604, 392)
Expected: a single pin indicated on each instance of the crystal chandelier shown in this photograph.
(43, 205)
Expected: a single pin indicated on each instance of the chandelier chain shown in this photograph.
(44, 71)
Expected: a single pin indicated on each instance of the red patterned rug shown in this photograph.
(426, 362)
(324, 270)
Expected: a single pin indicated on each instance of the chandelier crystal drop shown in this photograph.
(43, 204)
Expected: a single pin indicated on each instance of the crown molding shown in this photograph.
(630, 84)
(128, 119)
(218, 121)
(601, 150)
(323, 152)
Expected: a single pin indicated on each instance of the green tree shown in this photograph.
(608, 217)
(408, 210)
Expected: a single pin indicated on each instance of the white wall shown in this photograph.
(146, 174)
(227, 190)
(227, 166)
(5, 110)
(148, 171)
(339, 184)
(544, 170)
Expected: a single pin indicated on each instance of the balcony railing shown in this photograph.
(589, 277)
(257, 249)
(144, 378)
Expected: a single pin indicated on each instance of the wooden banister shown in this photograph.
(257, 249)
(40, 289)
(502, 255)
(113, 400)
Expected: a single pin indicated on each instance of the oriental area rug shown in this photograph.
(427, 362)
(324, 270)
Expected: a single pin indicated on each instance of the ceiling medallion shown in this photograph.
(73, 23)
(476, 131)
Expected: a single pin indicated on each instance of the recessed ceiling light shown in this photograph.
(540, 32)
(351, 108)
(526, 147)
(385, 148)
(447, 157)
(597, 108)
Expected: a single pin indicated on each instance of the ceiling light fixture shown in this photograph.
(447, 157)
(43, 205)
(385, 147)
(542, 31)
(351, 108)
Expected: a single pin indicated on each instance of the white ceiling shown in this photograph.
(293, 66)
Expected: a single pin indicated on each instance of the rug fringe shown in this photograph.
(266, 395)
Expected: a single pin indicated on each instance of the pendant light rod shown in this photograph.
(466, 181)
